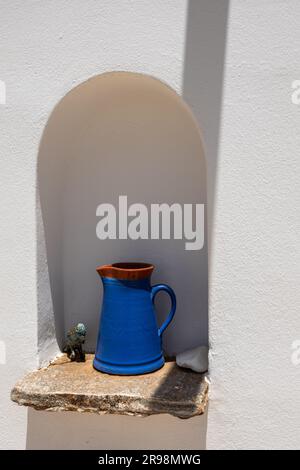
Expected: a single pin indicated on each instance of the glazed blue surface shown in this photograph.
(129, 340)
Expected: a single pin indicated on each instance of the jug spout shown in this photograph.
(126, 271)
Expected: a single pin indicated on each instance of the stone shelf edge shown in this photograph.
(73, 386)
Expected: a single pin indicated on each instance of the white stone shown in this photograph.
(195, 359)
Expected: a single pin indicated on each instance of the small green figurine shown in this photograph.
(74, 342)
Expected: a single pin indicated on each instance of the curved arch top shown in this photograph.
(119, 133)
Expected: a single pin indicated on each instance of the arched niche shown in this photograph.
(117, 134)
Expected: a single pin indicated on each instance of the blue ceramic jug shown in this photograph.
(129, 340)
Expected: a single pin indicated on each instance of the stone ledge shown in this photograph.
(73, 386)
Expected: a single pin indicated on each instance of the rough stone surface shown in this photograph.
(72, 386)
(195, 359)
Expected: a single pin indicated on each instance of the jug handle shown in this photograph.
(163, 287)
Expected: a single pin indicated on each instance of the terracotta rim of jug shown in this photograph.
(131, 271)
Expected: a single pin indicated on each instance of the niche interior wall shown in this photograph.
(118, 133)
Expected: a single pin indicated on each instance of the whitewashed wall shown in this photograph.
(255, 267)
(234, 65)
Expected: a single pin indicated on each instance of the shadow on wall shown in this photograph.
(203, 79)
(118, 134)
(71, 430)
(202, 90)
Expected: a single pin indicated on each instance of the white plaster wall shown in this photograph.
(255, 274)
(49, 47)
